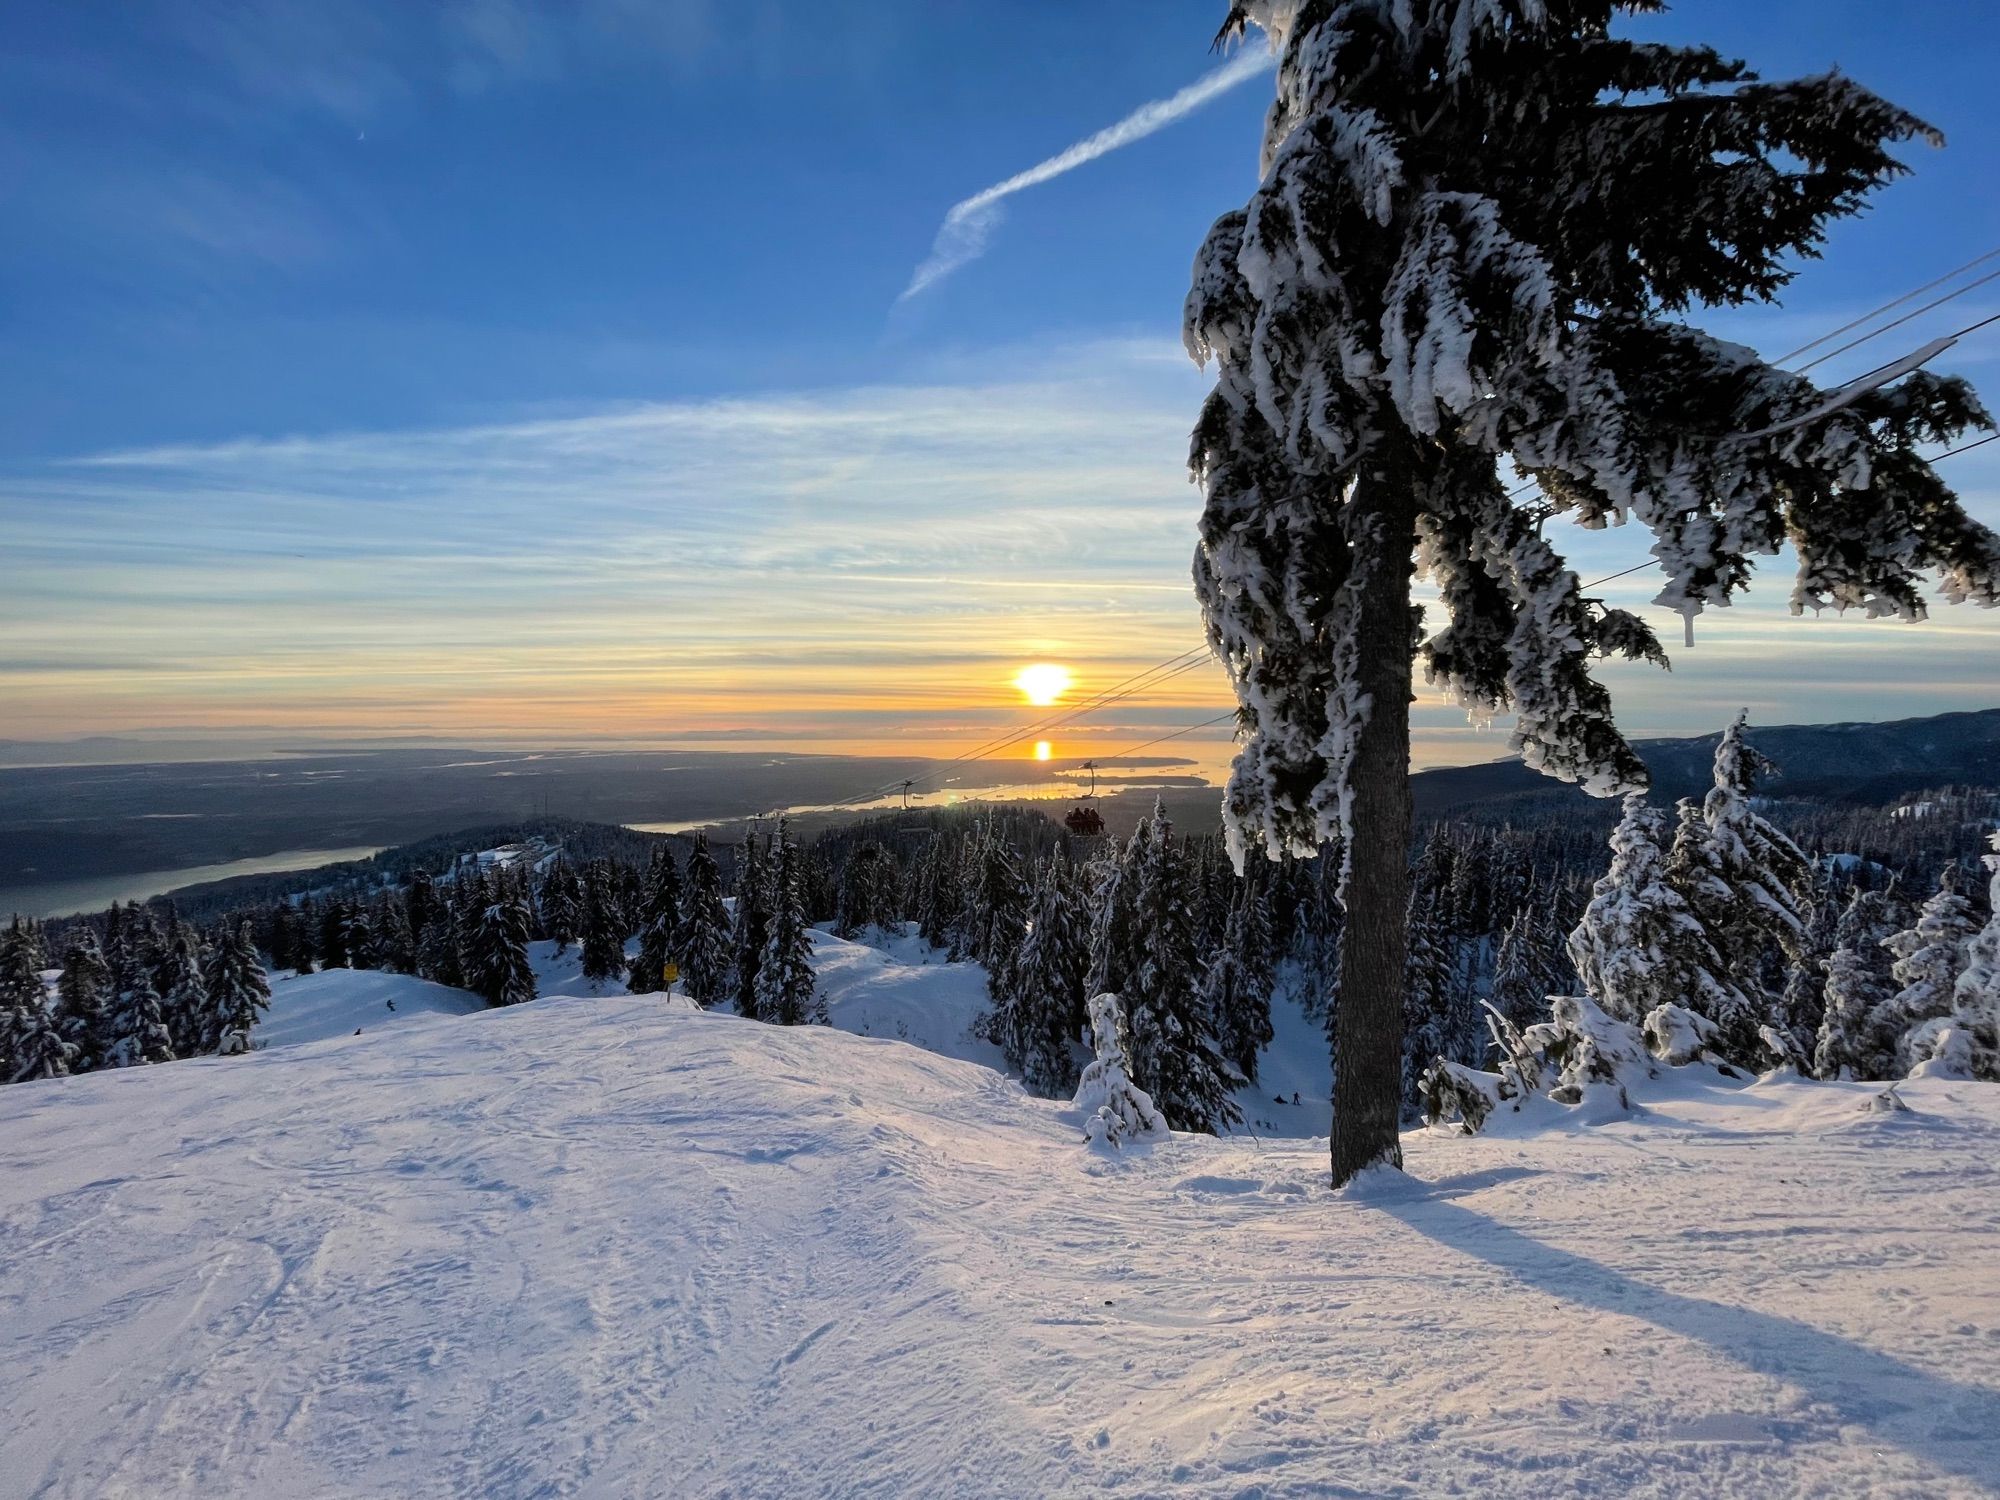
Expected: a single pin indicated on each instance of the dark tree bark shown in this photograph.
(1368, 1048)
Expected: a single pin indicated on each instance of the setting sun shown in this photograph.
(1043, 750)
(1043, 683)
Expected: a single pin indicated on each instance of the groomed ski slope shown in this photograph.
(604, 1247)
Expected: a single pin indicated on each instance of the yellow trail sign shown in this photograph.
(669, 972)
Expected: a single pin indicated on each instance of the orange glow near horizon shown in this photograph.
(1043, 750)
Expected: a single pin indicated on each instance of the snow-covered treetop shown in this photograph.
(1478, 226)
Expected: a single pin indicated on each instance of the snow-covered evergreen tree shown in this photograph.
(1640, 946)
(238, 990)
(22, 996)
(1236, 988)
(786, 993)
(1929, 956)
(138, 1028)
(83, 999)
(183, 991)
(499, 969)
(1478, 228)
(1440, 1019)
(1114, 1108)
(1746, 883)
(1172, 1048)
(1035, 1015)
(1858, 986)
(659, 924)
(1802, 1005)
(601, 940)
(751, 926)
(561, 902)
(703, 941)
(34, 1046)
(1976, 998)
(866, 896)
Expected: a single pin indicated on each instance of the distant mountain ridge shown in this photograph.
(1855, 762)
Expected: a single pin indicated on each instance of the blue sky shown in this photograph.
(501, 370)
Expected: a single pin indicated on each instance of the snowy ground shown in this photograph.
(601, 1246)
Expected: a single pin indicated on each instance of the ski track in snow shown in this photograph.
(600, 1246)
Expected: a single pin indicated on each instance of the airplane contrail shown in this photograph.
(963, 235)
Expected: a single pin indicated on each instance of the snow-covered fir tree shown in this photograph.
(561, 902)
(867, 891)
(1440, 1019)
(183, 991)
(1639, 944)
(1114, 1108)
(703, 941)
(751, 925)
(138, 1028)
(1802, 1004)
(239, 992)
(1035, 1009)
(1478, 228)
(601, 939)
(33, 1046)
(1746, 883)
(1929, 955)
(1976, 997)
(498, 966)
(83, 999)
(22, 997)
(1111, 881)
(659, 924)
(1172, 1047)
(1858, 986)
(1236, 986)
(995, 913)
(786, 994)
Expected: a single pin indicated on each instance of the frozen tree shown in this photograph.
(601, 942)
(866, 896)
(785, 989)
(22, 997)
(1171, 1046)
(138, 1028)
(238, 991)
(1858, 986)
(1114, 1108)
(1639, 945)
(183, 991)
(1036, 1016)
(1438, 1014)
(703, 941)
(561, 903)
(83, 999)
(1236, 988)
(1929, 954)
(1478, 229)
(1803, 1003)
(36, 1047)
(659, 924)
(1746, 883)
(499, 969)
(1976, 998)
(751, 925)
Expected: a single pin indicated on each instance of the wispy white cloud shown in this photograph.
(861, 564)
(970, 223)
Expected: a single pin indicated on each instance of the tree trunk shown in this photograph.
(1368, 1038)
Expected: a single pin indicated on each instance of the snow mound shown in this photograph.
(898, 986)
(340, 1002)
(605, 1246)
